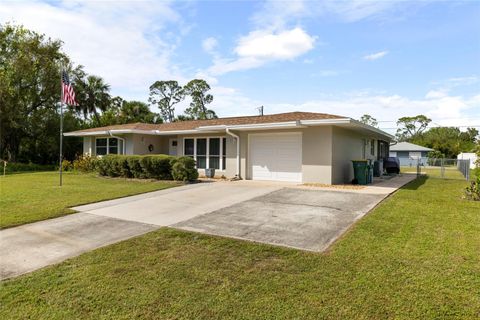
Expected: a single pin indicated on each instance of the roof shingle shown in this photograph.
(193, 124)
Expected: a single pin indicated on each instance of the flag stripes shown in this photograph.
(68, 95)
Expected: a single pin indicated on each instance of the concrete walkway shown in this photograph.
(33, 246)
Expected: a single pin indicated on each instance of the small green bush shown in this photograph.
(85, 163)
(157, 167)
(67, 165)
(183, 169)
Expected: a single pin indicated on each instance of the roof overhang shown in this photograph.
(106, 132)
(343, 122)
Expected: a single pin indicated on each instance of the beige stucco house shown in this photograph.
(297, 146)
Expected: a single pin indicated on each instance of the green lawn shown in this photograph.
(30, 197)
(416, 256)
(435, 172)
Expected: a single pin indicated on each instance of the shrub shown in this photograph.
(152, 167)
(472, 192)
(135, 170)
(183, 169)
(67, 165)
(157, 167)
(115, 166)
(85, 163)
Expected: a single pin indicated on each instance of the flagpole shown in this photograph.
(61, 126)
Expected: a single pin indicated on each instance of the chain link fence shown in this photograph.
(454, 169)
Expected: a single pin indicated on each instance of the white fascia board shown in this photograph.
(325, 122)
(174, 132)
(107, 132)
(357, 123)
(218, 127)
(85, 134)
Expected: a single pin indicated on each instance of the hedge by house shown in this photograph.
(162, 167)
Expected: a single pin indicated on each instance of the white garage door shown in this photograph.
(276, 157)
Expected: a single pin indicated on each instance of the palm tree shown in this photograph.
(93, 96)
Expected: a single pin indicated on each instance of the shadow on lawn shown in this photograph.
(415, 184)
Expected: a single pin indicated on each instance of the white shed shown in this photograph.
(468, 156)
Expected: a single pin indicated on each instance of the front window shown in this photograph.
(224, 153)
(214, 153)
(202, 153)
(189, 148)
(101, 147)
(105, 146)
(208, 152)
(372, 147)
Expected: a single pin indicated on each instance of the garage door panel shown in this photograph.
(276, 157)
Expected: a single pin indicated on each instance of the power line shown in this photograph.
(472, 126)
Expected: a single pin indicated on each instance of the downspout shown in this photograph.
(238, 151)
(120, 138)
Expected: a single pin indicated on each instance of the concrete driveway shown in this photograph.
(303, 219)
(36, 245)
(298, 217)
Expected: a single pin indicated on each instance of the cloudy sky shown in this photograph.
(385, 58)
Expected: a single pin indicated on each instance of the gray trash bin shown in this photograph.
(210, 172)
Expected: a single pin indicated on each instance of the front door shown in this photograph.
(172, 147)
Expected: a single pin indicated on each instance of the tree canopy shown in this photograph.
(29, 95)
(369, 120)
(165, 95)
(198, 89)
(121, 112)
(411, 127)
(30, 67)
(449, 141)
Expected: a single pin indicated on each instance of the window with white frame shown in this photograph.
(207, 152)
(105, 146)
(372, 147)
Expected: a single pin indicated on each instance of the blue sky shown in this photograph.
(386, 58)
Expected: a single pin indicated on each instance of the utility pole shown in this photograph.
(260, 110)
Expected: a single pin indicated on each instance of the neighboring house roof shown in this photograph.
(272, 121)
(407, 146)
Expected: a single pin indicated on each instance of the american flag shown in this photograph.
(68, 95)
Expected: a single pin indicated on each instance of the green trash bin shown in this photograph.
(360, 171)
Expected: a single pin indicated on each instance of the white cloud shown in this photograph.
(209, 45)
(376, 55)
(283, 45)
(127, 44)
(261, 46)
